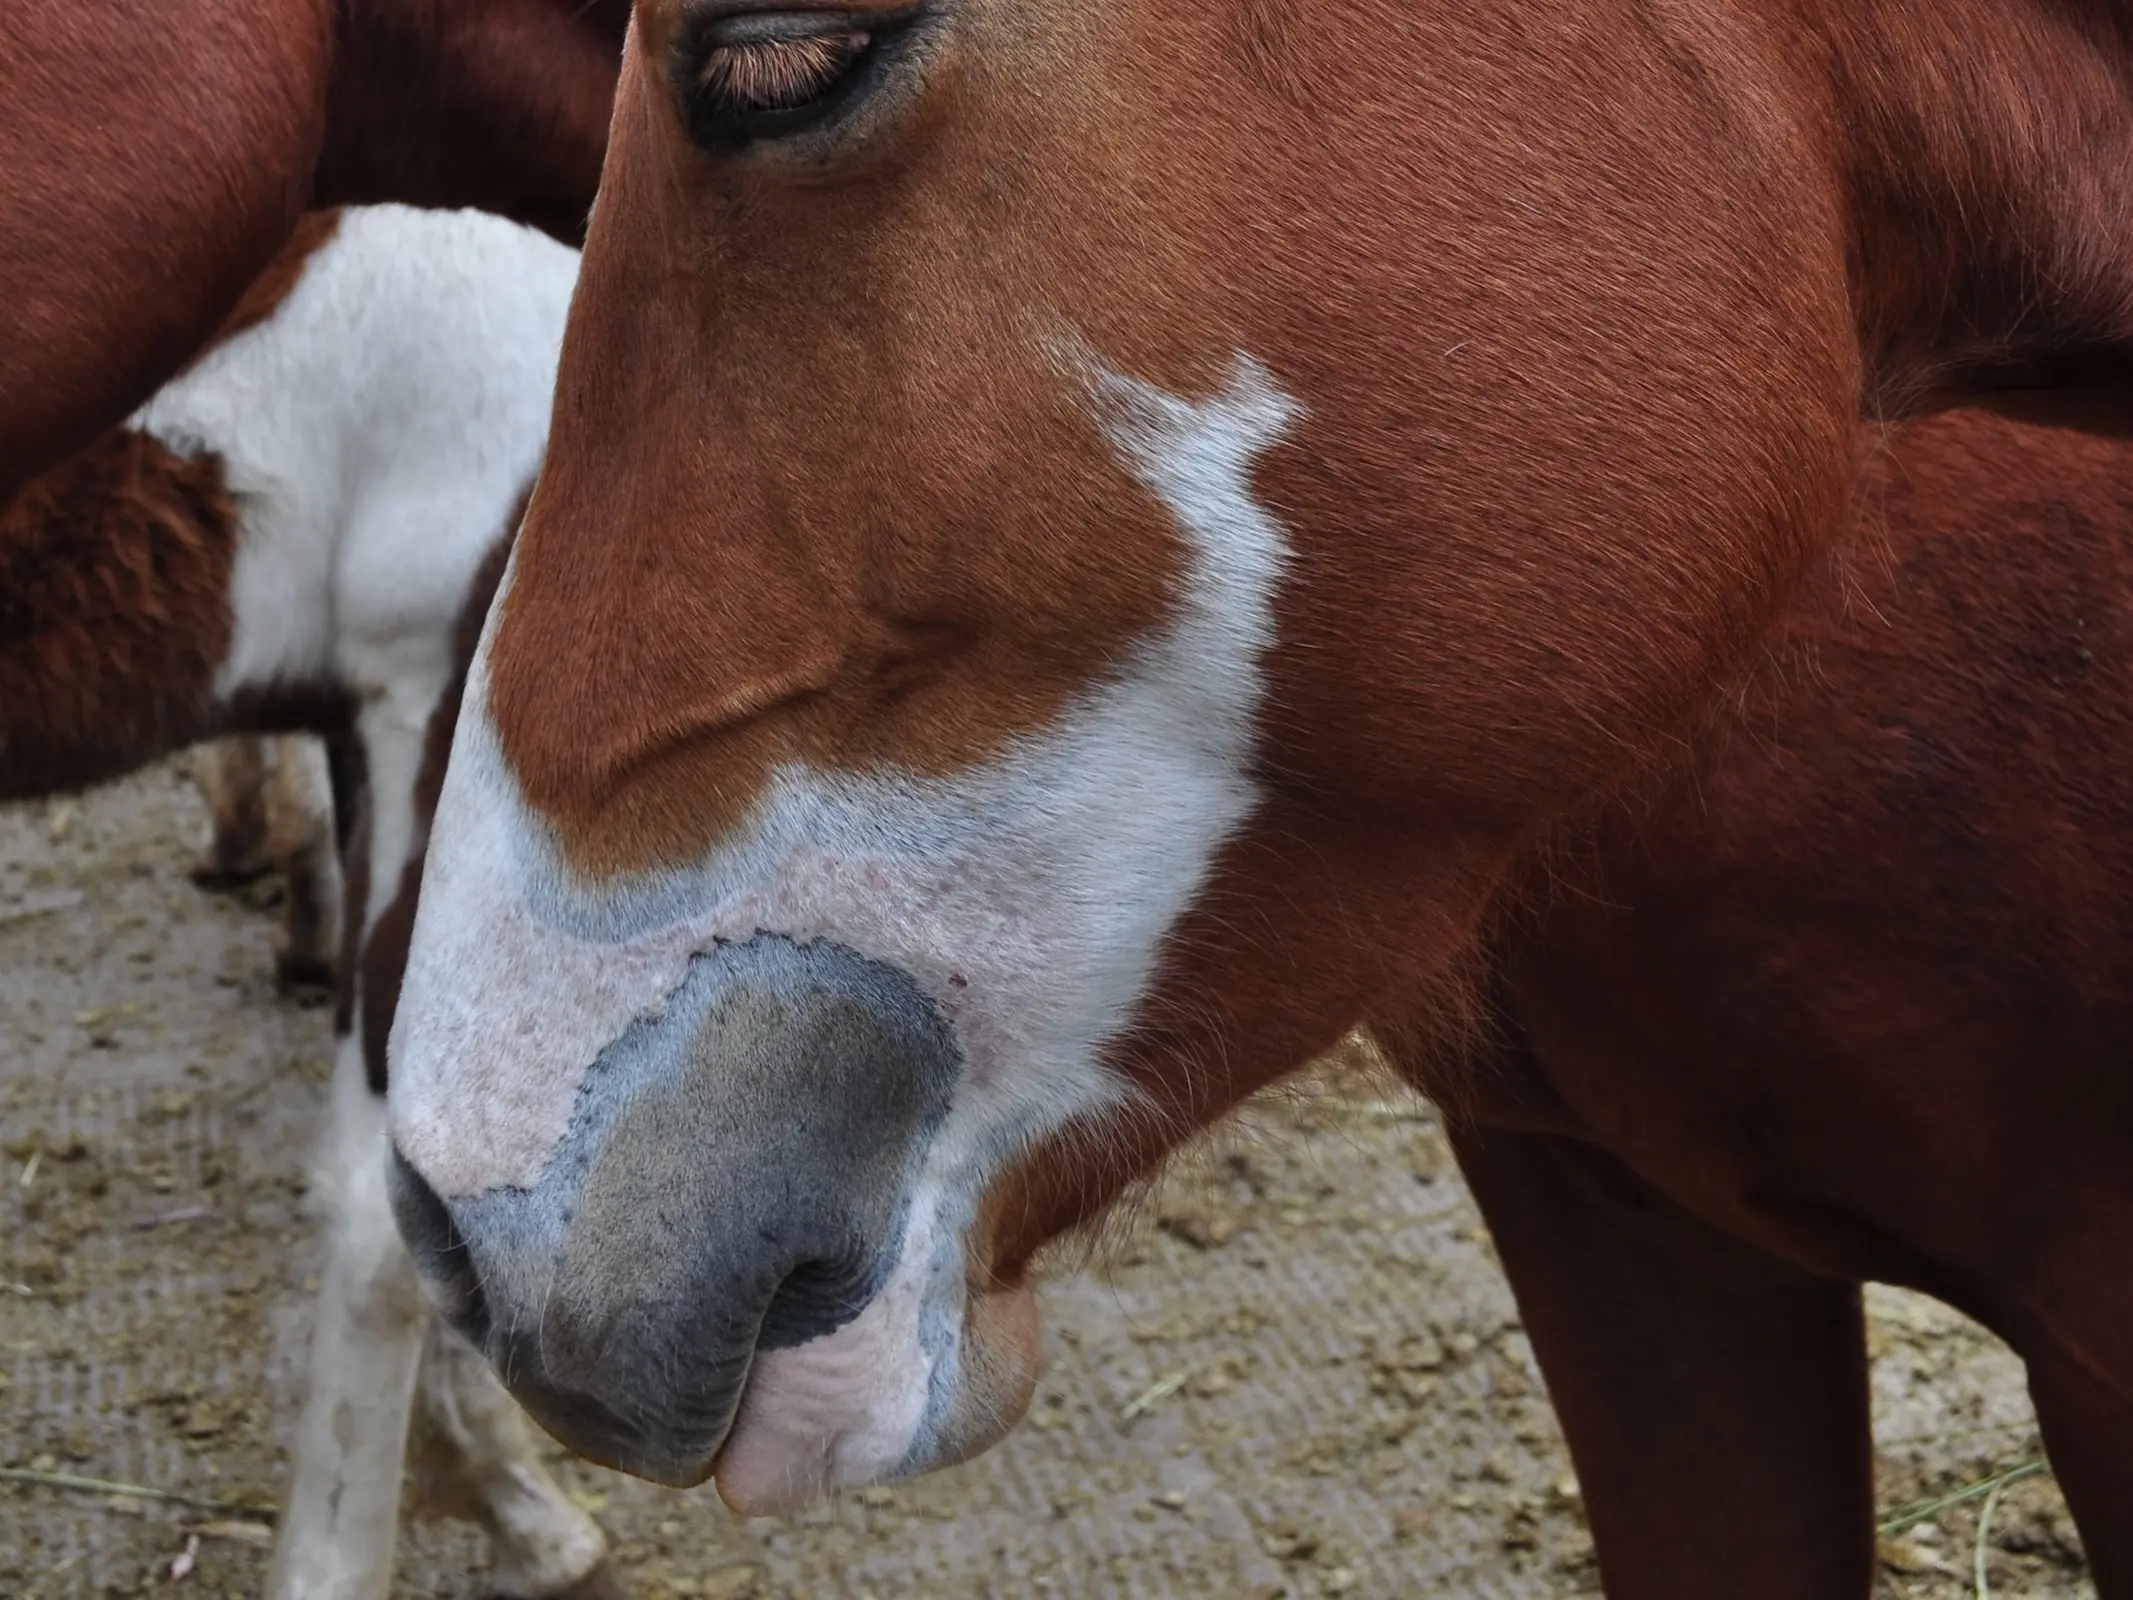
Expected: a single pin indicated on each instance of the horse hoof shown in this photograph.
(299, 971)
(222, 875)
(598, 1584)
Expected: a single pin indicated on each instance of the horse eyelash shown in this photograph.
(778, 74)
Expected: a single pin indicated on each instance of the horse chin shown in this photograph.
(859, 1406)
(1002, 1355)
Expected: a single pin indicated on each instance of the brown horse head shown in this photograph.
(1081, 539)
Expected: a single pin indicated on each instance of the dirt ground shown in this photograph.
(1300, 1374)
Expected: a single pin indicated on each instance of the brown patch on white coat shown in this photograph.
(114, 613)
(115, 574)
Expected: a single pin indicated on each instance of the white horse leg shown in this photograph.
(475, 1451)
(475, 1456)
(340, 1523)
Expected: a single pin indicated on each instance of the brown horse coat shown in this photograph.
(153, 158)
(1087, 546)
(1844, 996)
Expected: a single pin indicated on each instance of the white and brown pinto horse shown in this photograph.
(1086, 546)
(303, 531)
(152, 161)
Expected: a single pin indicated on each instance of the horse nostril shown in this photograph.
(816, 1297)
(441, 1256)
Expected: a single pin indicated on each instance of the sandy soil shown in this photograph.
(1299, 1373)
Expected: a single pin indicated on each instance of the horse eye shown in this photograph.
(761, 77)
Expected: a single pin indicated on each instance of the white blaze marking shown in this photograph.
(1029, 897)
(1045, 880)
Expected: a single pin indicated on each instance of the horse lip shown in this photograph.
(591, 1429)
(678, 1450)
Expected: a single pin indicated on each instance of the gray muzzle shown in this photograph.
(735, 1178)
